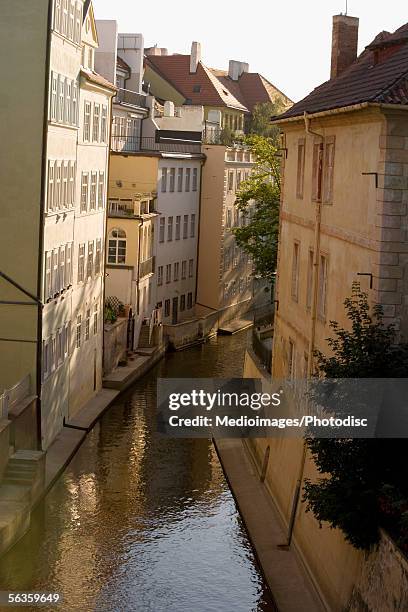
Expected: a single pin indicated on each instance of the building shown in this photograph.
(343, 219)
(154, 191)
(225, 280)
(233, 93)
(55, 208)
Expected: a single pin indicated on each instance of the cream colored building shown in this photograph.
(225, 281)
(343, 219)
(59, 233)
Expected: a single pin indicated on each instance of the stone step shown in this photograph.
(17, 480)
(27, 466)
(10, 473)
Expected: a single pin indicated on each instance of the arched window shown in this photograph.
(117, 246)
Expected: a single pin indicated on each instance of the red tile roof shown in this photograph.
(94, 77)
(176, 69)
(251, 88)
(379, 74)
(122, 64)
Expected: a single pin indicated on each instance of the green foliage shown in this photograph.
(258, 200)
(365, 482)
(260, 122)
(110, 315)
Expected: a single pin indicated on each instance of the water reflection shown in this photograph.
(143, 523)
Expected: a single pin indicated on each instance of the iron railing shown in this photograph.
(134, 144)
(262, 349)
(126, 96)
(14, 395)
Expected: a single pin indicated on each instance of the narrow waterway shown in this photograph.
(142, 523)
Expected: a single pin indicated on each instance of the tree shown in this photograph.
(365, 483)
(260, 122)
(258, 200)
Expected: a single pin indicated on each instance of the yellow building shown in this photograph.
(343, 219)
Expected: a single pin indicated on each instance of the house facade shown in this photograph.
(343, 220)
(68, 242)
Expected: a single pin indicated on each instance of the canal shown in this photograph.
(142, 523)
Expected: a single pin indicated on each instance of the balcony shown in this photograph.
(121, 208)
(134, 144)
(146, 267)
(126, 96)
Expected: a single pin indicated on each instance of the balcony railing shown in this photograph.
(126, 96)
(146, 267)
(121, 209)
(14, 395)
(124, 144)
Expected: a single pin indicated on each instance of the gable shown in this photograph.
(89, 31)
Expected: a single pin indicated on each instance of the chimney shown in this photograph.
(235, 69)
(195, 56)
(344, 43)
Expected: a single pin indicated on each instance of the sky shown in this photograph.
(288, 42)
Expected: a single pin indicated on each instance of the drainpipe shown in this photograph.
(105, 225)
(138, 266)
(313, 318)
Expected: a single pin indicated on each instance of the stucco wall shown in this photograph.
(114, 344)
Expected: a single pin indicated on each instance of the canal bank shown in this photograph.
(139, 522)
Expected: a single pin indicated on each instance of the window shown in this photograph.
(64, 196)
(188, 177)
(101, 184)
(291, 360)
(45, 360)
(50, 192)
(98, 256)
(57, 192)
(300, 168)
(322, 295)
(87, 324)
(180, 179)
(87, 122)
(182, 303)
(61, 266)
(78, 23)
(54, 98)
(57, 15)
(48, 294)
(95, 320)
(68, 97)
(309, 279)
(192, 226)
(81, 263)
(190, 268)
(169, 229)
(92, 199)
(71, 183)
(184, 269)
(168, 273)
(68, 264)
(78, 331)
(230, 180)
(172, 178)
(64, 26)
(84, 191)
(238, 179)
(74, 114)
(195, 179)
(61, 98)
(328, 170)
(317, 171)
(162, 229)
(295, 272)
(176, 271)
(166, 308)
(178, 227)
(89, 263)
(196, 88)
(164, 180)
(189, 300)
(185, 226)
(117, 246)
(160, 275)
(96, 123)
(55, 272)
(228, 217)
(104, 123)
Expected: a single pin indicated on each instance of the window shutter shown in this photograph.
(328, 169)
